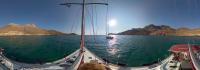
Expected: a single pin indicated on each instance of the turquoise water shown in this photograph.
(130, 50)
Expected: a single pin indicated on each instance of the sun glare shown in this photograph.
(112, 22)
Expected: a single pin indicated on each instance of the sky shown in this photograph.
(127, 14)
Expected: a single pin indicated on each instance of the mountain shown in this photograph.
(188, 32)
(161, 30)
(150, 30)
(26, 29)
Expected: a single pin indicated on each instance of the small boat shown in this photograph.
(109, 37)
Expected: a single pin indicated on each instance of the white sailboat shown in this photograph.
(85, 56)
(108, 36)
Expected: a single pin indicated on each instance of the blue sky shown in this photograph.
(129, 14)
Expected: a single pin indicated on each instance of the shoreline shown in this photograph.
(34, 35)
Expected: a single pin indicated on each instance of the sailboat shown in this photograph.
(108, 36)
(85, 56)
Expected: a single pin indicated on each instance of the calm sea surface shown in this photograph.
(125, 49)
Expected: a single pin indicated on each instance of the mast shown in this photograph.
(107, 26)
(82, 27)
(83, 4)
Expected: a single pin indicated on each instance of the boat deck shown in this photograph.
(61, 64)
(163, 65)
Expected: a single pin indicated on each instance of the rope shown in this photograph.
(96, 17)
(91, 16)
(74, 23)
(92, 26)
(107, 30)
(191, 15)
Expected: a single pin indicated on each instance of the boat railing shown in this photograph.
(162, 65)
(96, 57)
(71, 55)
(76, 63)
(193, 58)
(148, 67)
(7, 62)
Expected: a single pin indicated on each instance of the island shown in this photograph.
(161, 30)
(13, 29)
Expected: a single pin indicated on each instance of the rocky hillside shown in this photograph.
(27, 29)
(161, 30)
(187, 32)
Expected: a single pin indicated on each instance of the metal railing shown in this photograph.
(7, 62)
(193, 58)
(76, 63)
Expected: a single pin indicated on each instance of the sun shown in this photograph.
(112, 22)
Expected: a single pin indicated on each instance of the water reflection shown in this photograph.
(112, 45)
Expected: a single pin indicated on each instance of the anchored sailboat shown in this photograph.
(108, 36)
